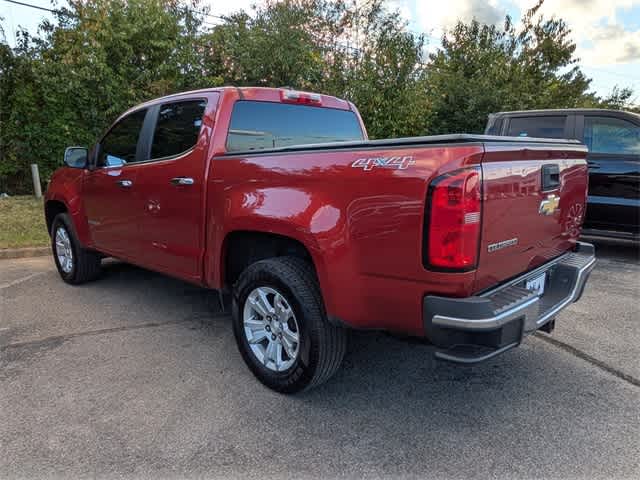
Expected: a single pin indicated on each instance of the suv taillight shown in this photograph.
(453, 228)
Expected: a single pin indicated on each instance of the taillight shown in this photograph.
(293, 96)
(453, 229)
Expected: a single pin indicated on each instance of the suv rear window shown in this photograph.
(538, 126)
(261, 125)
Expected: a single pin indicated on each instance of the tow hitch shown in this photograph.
(549, 326)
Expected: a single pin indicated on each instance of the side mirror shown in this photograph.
(76, 157)
(113, 161)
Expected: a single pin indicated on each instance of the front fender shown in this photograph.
(66, 187)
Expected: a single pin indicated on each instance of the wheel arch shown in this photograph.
(52, 208)
(241, 248)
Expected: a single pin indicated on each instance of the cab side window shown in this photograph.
(119, 146)
(611, 135)
(177, 128)
(538, 126)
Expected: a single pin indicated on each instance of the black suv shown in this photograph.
(613, 139)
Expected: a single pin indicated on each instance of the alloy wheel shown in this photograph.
(271, 329)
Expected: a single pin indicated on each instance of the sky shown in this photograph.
(606, 32)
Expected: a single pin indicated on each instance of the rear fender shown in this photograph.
(286, 211)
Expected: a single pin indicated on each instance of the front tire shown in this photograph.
(281, 327)
(75, 264)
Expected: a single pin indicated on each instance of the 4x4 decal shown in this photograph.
(394, 163)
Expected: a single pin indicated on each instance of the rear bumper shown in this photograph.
(473, 329)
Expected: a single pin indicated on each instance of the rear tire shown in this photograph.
(75, 264)
(290, 290)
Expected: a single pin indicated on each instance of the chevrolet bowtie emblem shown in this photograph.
(549, 205)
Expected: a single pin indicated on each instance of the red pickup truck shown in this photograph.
(277, 197)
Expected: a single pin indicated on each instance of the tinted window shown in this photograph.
(494, 126)
(177, 128)
(611, 135)
(542, 127)
(119, 145)
(258, 125)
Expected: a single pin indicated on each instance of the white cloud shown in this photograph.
(402, 6)
(226, 7)
(595, 24)
(612, 44)
(434, 16)
(596, 28)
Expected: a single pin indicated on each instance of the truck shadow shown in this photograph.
(616, 250)
(375, 360)
(391, 405)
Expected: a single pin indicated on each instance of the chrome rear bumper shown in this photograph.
(473, 329)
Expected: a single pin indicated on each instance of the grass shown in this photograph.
(22, 222)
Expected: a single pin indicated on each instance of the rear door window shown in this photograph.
(177, 128)
(120, 144)
(611, 135)
(538, 126)
(261, 125)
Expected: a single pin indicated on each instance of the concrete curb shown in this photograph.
(7, 253)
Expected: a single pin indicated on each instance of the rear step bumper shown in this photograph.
(473, 329)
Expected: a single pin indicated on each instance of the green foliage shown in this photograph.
(484, 68)
(364, 54)
(384, 73)
(100, 57)
(277, 47)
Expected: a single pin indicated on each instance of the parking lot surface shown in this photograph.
(137, 375)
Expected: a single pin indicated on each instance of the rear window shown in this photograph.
(543, 127)
(260, 125)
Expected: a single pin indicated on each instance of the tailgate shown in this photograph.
(534, 198)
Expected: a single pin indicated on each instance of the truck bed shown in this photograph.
(457, 138)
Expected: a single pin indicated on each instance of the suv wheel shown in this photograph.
(281, 328)
(75, 264)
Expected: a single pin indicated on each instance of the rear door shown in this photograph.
(171, 184)
(614, 172)
(533, 203)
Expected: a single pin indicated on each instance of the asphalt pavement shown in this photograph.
(137, 375)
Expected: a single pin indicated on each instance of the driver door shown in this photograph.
(111, 199)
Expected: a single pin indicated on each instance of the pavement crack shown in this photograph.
(588, 358)
(102, 331)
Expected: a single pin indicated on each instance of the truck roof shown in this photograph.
(564, 111)
(267, 94)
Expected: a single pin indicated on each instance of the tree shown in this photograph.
(383, 74)
(281, 44)
(484, 68)
(99, 58)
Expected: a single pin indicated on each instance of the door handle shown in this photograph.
(125, 183)
(182, 181)
(550, 177)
